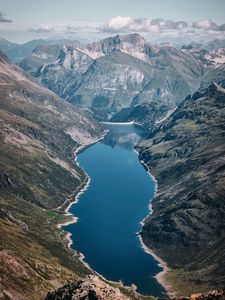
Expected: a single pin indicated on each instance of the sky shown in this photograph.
(23, 20)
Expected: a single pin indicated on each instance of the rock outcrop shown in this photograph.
(92, 288)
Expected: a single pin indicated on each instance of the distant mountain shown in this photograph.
(17, 52)
(186, 154)
(122, 75)
(209, 59)
(122, 72)
(39, 132)
(40, 56)
(5, 45)
(214, 45)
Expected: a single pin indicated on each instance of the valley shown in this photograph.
(53, 104)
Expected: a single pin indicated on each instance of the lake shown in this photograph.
(111, 209)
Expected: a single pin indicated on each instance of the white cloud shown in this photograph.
(128, 24)
(42, 29)
(208, 24)
(118, 23)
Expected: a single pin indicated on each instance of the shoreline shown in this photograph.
(75, 198)
(160, 277)
(118, 123)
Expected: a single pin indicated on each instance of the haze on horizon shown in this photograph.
(175, 21)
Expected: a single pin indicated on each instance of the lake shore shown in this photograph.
(81, 189)
(118, 123)
(161, 276)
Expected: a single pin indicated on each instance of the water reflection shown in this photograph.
(123, 136)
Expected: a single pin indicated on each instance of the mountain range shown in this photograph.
(120, 75)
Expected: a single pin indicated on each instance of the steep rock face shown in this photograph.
(36, 176)
(122, 72)
(214, 75)
(186, 153)
(41, 55)
(64, 75)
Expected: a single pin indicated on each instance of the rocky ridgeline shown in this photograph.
(92, 288)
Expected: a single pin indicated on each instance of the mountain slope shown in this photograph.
(186, 154)
(36, 176)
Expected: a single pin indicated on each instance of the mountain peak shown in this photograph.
(133, 38)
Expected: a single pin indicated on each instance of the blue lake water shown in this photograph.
(111, 209)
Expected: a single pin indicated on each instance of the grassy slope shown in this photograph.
(36, 176)
(187, 156)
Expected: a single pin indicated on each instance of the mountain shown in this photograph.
(17, 52)
(6, 45)
(122, 72)
(39, 132)
(214, 75)
(214, 45)
(40, 56)
(210, 59)
(186, 154)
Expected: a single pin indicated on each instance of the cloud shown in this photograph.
(3, 19)
(128, 24)
(42, 29)
(117, 24)
(207, 24)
